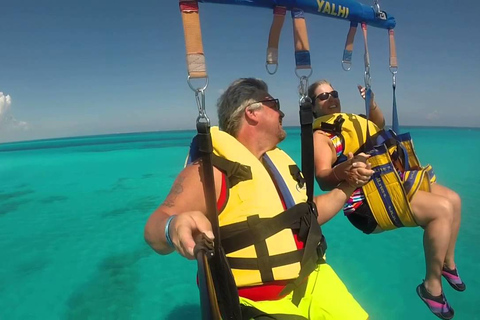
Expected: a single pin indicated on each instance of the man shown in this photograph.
(289, 277)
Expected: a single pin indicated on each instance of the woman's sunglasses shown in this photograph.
(325, 95)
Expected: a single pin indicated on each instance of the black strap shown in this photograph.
(266, 228)
(306, 120)
(297, 175)
(335, 127)
(235, 171)
(227, 297)
(310, 258)
(274, 261)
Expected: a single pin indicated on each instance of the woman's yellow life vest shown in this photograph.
(254, 208)
(388, 195)
(352, 129)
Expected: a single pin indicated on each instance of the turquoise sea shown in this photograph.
(72, 213)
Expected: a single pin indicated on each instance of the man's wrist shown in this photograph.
(167, 231)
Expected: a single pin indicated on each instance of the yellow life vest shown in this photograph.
(255, 229)
(352, 130)
(388, 195)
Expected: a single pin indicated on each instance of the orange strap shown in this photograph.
(274, 37)
(347, 53)
(193, 39)
(393, 50)
(302, 48)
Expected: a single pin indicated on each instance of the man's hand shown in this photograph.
(185, 227)
(359, 171)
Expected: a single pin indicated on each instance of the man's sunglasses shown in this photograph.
(325, 95)
(271, 103)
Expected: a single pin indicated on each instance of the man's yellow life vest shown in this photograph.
(256, 230)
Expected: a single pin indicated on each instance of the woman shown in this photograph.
(436, 208)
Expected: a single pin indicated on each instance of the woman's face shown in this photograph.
(326, 101)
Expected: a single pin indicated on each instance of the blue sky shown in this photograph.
(93, 67)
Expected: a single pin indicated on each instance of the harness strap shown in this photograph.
(393, 70)
(297, 175)
(235, 171)
(310, 259)
(368, 92)
(228, 300)
(274, 37)
(275, 261)
(347, 52)
(242, 234)
(193, 39)
(302, 48)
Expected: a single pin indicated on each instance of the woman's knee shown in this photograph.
(448, 193)
(447, 209)
(439, 209)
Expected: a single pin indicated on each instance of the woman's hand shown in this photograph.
(359, 171)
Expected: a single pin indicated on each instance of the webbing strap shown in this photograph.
(302, 48)
(395, 125)
(227, 297)
(274, 38)
(347, 52)
(393, 50)
(368, 90)
(193, 39)
(393, 70)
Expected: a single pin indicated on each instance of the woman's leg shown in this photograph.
(456, 202)
(435, 214)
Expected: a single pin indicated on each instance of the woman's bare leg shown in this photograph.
(435, 214)
(456, 202)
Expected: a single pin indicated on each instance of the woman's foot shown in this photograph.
(453, 278)
(437, 304)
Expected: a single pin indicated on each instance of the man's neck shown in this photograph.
(253, 142)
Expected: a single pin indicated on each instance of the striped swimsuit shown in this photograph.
(357, 197)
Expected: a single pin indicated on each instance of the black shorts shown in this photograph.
(362, 218)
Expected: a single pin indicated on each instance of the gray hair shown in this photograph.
(239, 95)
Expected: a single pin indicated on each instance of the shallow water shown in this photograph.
(72, 213)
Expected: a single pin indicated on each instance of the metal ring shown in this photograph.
(189, 78)
(393, 70)
(344, 63)
(299, 76)
(268, 70)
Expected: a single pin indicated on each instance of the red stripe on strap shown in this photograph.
(280, 11)
(188, 6)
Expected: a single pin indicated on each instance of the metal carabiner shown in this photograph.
(200, 98)
(303, 89)
(367, 78)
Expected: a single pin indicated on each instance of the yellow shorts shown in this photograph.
(326, 298)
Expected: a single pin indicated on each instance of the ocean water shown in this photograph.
(72, 213)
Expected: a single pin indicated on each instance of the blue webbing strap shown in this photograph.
(282, 186)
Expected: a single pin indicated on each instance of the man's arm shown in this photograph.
(329, 204)
(186, 201)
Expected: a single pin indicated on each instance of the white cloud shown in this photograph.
(7, 121)
(432, 116)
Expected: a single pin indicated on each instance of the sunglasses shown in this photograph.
(271, 103)
(325, 95)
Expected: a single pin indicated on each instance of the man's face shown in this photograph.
(273, 117)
